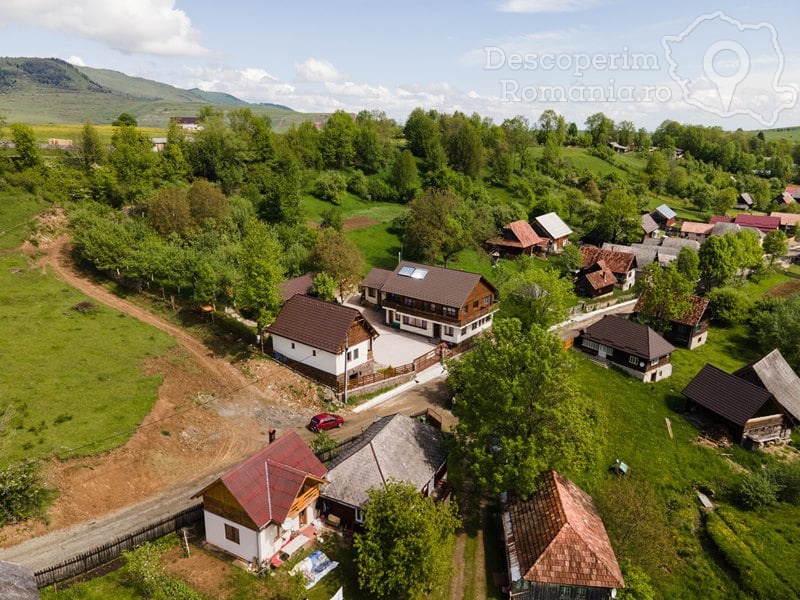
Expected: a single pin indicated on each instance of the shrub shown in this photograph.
(323, 443)
(729, 305)
(757, 489)
(380, 191)
(359, 186)
(22, 494)
(787, 476)
(637, 583)
(330, 186)
(143, 571)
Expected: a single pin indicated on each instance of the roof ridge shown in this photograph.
(288, 467)
(377, 463)
(269, 493)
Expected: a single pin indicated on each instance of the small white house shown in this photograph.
(327, 337)
(262, 505)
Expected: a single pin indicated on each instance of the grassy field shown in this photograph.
(788, 133)
(72, 131)
(17, 211)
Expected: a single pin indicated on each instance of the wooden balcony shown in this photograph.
(437, 317)
(303, 500)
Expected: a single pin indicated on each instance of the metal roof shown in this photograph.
(666, 212)
(552, 224)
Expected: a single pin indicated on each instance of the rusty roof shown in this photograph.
(629, 336)
(617, 262)
(558, 537)
(447, 287)
(696, 228)
(523, 231)
(266, 484)
(297, 285)
(728, 396)
(317, 323)
(601, 277)
(693, 316)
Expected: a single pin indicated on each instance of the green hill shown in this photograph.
(52, 91)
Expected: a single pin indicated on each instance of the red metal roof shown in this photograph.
(266, 484)
(760, 222)
(720, 219)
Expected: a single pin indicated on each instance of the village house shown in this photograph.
(693, 230)
(789, 221)
(263, 505)
(633, 348)
(556, 545)
(188, 123)
(761, 222)
(744, 201)
(158, 144)
(649, 226)
(751, 412)
(322, 339)
(664, 216)
(774, 374)
(785, 199)
(517, 239)
(393, 447)
(691, 329)
(593, 277)
(793, 191)
(296, 285)
(553, 229)
(444, 304)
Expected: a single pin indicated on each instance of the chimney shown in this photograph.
(271, 434)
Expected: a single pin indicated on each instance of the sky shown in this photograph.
(694, 62)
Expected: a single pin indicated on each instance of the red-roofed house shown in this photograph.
(762, 223)
(622, 264)
(517, 238)
(557, 546)
(720, 219)
(253, 510)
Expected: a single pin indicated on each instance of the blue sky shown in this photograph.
(355, 54)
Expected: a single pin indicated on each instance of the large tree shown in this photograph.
(666, 296)
(618, 220)
(775, 245)
(340, 258)
(260, 273)
(406, 548)
(776, 324)
(717, 261)
(338, 140)
(518, 410)
(404, 176)
(537, 296)
(25, 145)
(436, 228)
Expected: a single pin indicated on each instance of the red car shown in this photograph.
(324, 421)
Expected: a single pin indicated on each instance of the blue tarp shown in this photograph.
(314, 567)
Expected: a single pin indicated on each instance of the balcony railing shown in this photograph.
(438, 317)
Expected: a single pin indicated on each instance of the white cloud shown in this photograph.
(142, 26)
(75, 60)
(313, 69)
(546, 6)
(251, 84)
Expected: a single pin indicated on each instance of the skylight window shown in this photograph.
(419, 273)
(406, 271)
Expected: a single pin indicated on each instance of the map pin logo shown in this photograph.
(726, 84)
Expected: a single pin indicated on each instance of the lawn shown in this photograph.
(17, 210)
(72, 131)
(379, 246)
(71, 378)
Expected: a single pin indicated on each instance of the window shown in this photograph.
(463, 331)
(448, 331)
(292, 345)
(313, 353)
(355, 353)
(413, 322)
(464, 310)
(633, 360)
(370, 292)
(487, 299)
(449, 311)
(359, 515)
(475, 304)
(349, 355)
(474, 326)
(408, 301)
(654, 362)
(590, 345)
(232, 533)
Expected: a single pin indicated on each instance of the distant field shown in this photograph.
(789, 133)
(72, 131)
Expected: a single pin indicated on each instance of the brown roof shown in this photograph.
(297, 285)
(266, 484)
(376, 278)
(618, 262)
(691, 317)
(524, 236)
(558, 537)
(728, 396)
(720, 219)
(448, 287)
(317, 323)
(787, 219)
(648, 223)
(696, 228)
(629, 336)
(601, 277)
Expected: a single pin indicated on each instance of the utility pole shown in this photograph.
(346, 349)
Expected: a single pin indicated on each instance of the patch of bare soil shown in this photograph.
(358, 223)
(786, 289)
(49, 226)
(202, 571)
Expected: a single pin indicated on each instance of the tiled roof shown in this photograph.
(317, 323)
(765, 224)
(601, 277)
(666, 212)
(728, 396)
(774, 374)
(720, 219)
(552, 224)
(692, 317)
(629, 336)
(558, 537)
(523, 231)
(618, 262)
(376, 278)
(697, 228)
(447, 287)
(393, 447)
(792, 190)
(266, 484)
(297, 285)
(648, 224)
(787, 219)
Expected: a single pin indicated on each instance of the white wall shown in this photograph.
(427, 331)
(324, 361)
(247, 548)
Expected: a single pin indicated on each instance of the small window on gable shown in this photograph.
(292, 345)
(475, 304)
(464, 309)
(359, 515)
(313, 353)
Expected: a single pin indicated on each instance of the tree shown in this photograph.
(330, 186)
(25, 144)
(717, 262)
(775, 245)
(434, 228)
(730, 305)
(207, 201)
(337, 141)
(666, 296)
(688, 264)
(260, 273)
(518, 409)
(90, 149)
(618, 219)
(125, 119)
(570, 259)
(406, 548)
(657, 171)
(324, 287)
(404, 176)
(133, 161)
(537, 296)
(340, 258)
(550, 122)
(724, 201)
(425, 139)
(601, 128)
(776, 324)
(169, 212)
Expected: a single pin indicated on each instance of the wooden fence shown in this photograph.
(101, 555)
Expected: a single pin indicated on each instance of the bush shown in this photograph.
(22, 494)
(729, 305)
(380, 191)
(143, 572)
(787, 476)
(757, 489)
(358, 185)
(637, 583)
(330, 186)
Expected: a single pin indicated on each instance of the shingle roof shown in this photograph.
(787, 219)
(746, 198)
(670, 245)
(648, 224)
(448, 287)
(393, 447)
(774, 374)
(297, 285)
(317, 323)
(644, 255)
(692, 317)
(666, 212)
(376, 278)
(618, 262)
(765, 224)
(697, 228)
(266, 484)
(629, 336)
(17, 582)
(601, 277)
(558, 537)
(552, 224)
(523, 231)
(728, 396)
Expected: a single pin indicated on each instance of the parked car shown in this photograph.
(325, 421)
